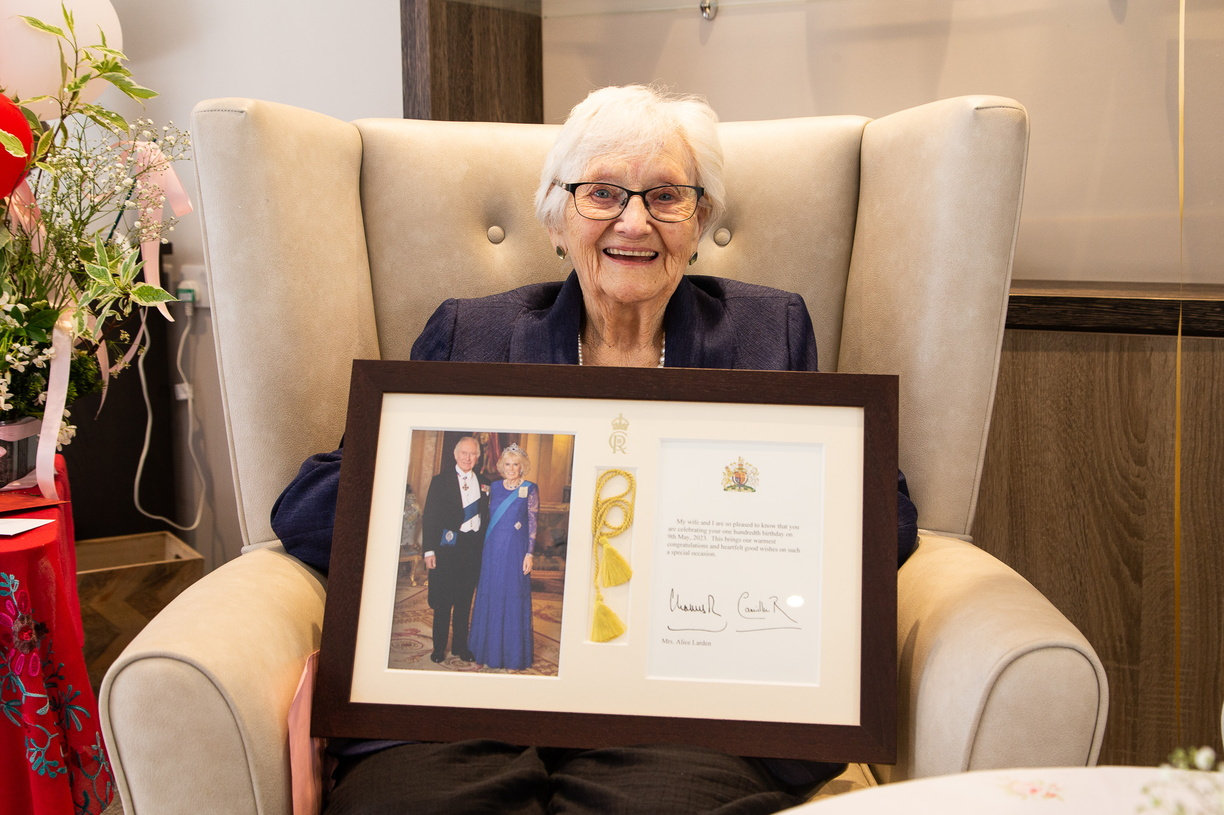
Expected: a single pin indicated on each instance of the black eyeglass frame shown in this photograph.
(573, 186)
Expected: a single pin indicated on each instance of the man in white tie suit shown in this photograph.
(456, 513)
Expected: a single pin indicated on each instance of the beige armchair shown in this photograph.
(328, 241)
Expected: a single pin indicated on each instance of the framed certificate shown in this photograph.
(622, 556)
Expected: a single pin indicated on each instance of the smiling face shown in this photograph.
(466, 453)
(632, 260)
(512, 469)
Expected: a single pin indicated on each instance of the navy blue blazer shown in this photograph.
(709, 322)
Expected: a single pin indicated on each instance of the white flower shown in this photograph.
(1205, 758)
(66, 433)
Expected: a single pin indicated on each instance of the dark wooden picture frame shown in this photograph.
(872, 739)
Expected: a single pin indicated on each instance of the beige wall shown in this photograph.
(1099, 78)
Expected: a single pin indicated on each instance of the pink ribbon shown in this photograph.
(28, 216)
(158, 179)
(53, 410)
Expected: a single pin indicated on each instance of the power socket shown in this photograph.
(187, 292)
(193, 278)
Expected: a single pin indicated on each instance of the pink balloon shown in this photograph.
(29, 58)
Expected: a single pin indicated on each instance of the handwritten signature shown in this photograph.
(705, 609)
(754, 613)
(763, 614)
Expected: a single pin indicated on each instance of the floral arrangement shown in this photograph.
(81, 202)
(1191, 783)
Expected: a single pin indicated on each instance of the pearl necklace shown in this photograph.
(662, 350)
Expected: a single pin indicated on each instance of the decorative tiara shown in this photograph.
(513, 447)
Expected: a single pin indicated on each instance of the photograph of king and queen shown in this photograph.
(482, 552)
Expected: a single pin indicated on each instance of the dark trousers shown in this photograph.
(484, 776)
(452, 618)
(451, 588)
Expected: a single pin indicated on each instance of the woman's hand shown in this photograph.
(527, 558)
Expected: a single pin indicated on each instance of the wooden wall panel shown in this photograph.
(1203, 539)
(471, 63)
(1078, 496)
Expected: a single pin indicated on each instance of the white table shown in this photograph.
(1086, 790)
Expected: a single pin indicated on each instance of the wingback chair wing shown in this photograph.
(328, 241)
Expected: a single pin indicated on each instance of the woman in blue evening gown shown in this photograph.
(501, 617)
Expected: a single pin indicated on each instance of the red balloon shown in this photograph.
(13, 168)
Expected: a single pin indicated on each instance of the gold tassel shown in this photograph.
(615, 569)
(606, 626)
(610, 566)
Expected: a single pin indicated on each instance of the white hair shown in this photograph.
(632, 121)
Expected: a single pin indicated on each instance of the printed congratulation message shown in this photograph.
(737, 569)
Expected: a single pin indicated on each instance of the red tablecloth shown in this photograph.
(52, 759)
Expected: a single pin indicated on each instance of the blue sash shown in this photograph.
(501, 509)
(469, 512)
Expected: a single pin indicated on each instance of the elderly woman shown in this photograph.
(632, 183)
(501, 635)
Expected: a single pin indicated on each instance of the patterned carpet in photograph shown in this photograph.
(412, 643)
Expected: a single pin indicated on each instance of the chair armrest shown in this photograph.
(195, 708)
(991, 674)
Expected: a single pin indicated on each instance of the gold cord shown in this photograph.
(610, 566)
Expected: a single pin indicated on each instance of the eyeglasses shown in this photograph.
(670, 203)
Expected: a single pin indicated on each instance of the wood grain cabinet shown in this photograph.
(1078, 495)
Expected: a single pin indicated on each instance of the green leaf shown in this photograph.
(45, 142)
(107, 118)
(104, 314)
(148, 295)
(130, 267)
(98, 273)
(34, 22)
(111, 65)
(43, 319)
(31, 119)
(104, 49)
(12, 145)
(77, 85)
(128, 87)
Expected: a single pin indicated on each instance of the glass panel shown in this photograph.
(1098, 77)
